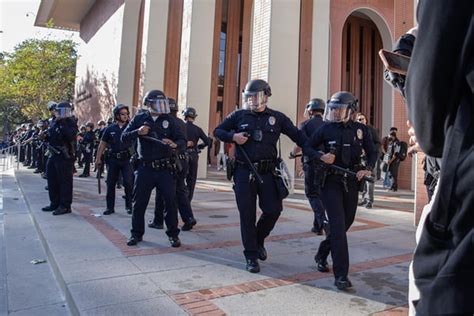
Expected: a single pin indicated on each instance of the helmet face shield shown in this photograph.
(253, 100)
(158, 106)
(63, 112)
(337, 112)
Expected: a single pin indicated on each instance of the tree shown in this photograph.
(38, 70)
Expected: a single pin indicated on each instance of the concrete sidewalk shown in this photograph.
(99, 275)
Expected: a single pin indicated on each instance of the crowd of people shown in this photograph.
(341, 156)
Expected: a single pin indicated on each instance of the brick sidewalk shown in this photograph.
(207, 274)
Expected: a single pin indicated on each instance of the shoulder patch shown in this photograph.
(360, 134)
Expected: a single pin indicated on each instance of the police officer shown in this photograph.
(98, 132)
(79, 147)
(157, 134)
(38, 153)
(194, 133)
(343, 141)
(61, 136)
(87, 144)
(117, 159)
(313, 171)
(182, 194)
(256, 130)
(27, 144)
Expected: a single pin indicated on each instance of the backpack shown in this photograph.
(402, 153)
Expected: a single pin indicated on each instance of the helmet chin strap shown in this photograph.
(258, 107)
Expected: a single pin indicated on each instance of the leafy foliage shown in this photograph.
(38, 70)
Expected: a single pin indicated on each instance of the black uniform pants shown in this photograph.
(87, 159)
(79, 157)
(312, 189)
(28, 154)
(60, 181)
(146, 179)
(393, 168)
(114, 168)
(39, 158)
(22, 153)
(247, 189)
(192, 173)
(182, 198)
(341, 207)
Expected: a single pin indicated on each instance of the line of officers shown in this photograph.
(167, 155)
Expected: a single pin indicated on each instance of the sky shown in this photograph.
(17, 18)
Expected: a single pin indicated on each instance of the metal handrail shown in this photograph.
(6, 157)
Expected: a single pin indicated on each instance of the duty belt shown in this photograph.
(161, 164)
(123, 155)
(182, 156)
(262, 166)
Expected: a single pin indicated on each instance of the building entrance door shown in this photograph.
(362, 70)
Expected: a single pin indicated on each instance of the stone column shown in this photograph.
(196, 64)
(320, 50)
(283, 64)
(154, 45)
(128, 51)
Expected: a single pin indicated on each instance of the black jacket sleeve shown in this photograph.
(290, 130)
(436, 75)
(225, 130)
(130, 133)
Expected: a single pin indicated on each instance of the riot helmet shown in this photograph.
(340, 107)
(51, 105)
(99, 123)
(82, 128)
(90, 125)
(63, 110)
(173, 105)
(116, 111)
(156, 102)
(189, 112)
(255, 95)
(110, 120)
(314, 105)
(40, 124)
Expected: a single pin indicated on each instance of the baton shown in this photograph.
(254, 170)
(347, 171)
(156, 140)
(99, 189)
(351, 173)
(98, 175)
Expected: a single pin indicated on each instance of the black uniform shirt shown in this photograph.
(194, 133)
(440, 71)
(88, 139)
(165, 126)
(182, 127)
(311, 125)
(111, 136)
(270, 122)
(62, 132)
(352, 137)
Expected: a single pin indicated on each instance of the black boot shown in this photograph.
(175, 242)
(188, 225)
(252, 266)
(61, 210)
(342, 283)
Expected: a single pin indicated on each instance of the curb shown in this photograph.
(3, 257)
(54, 266)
